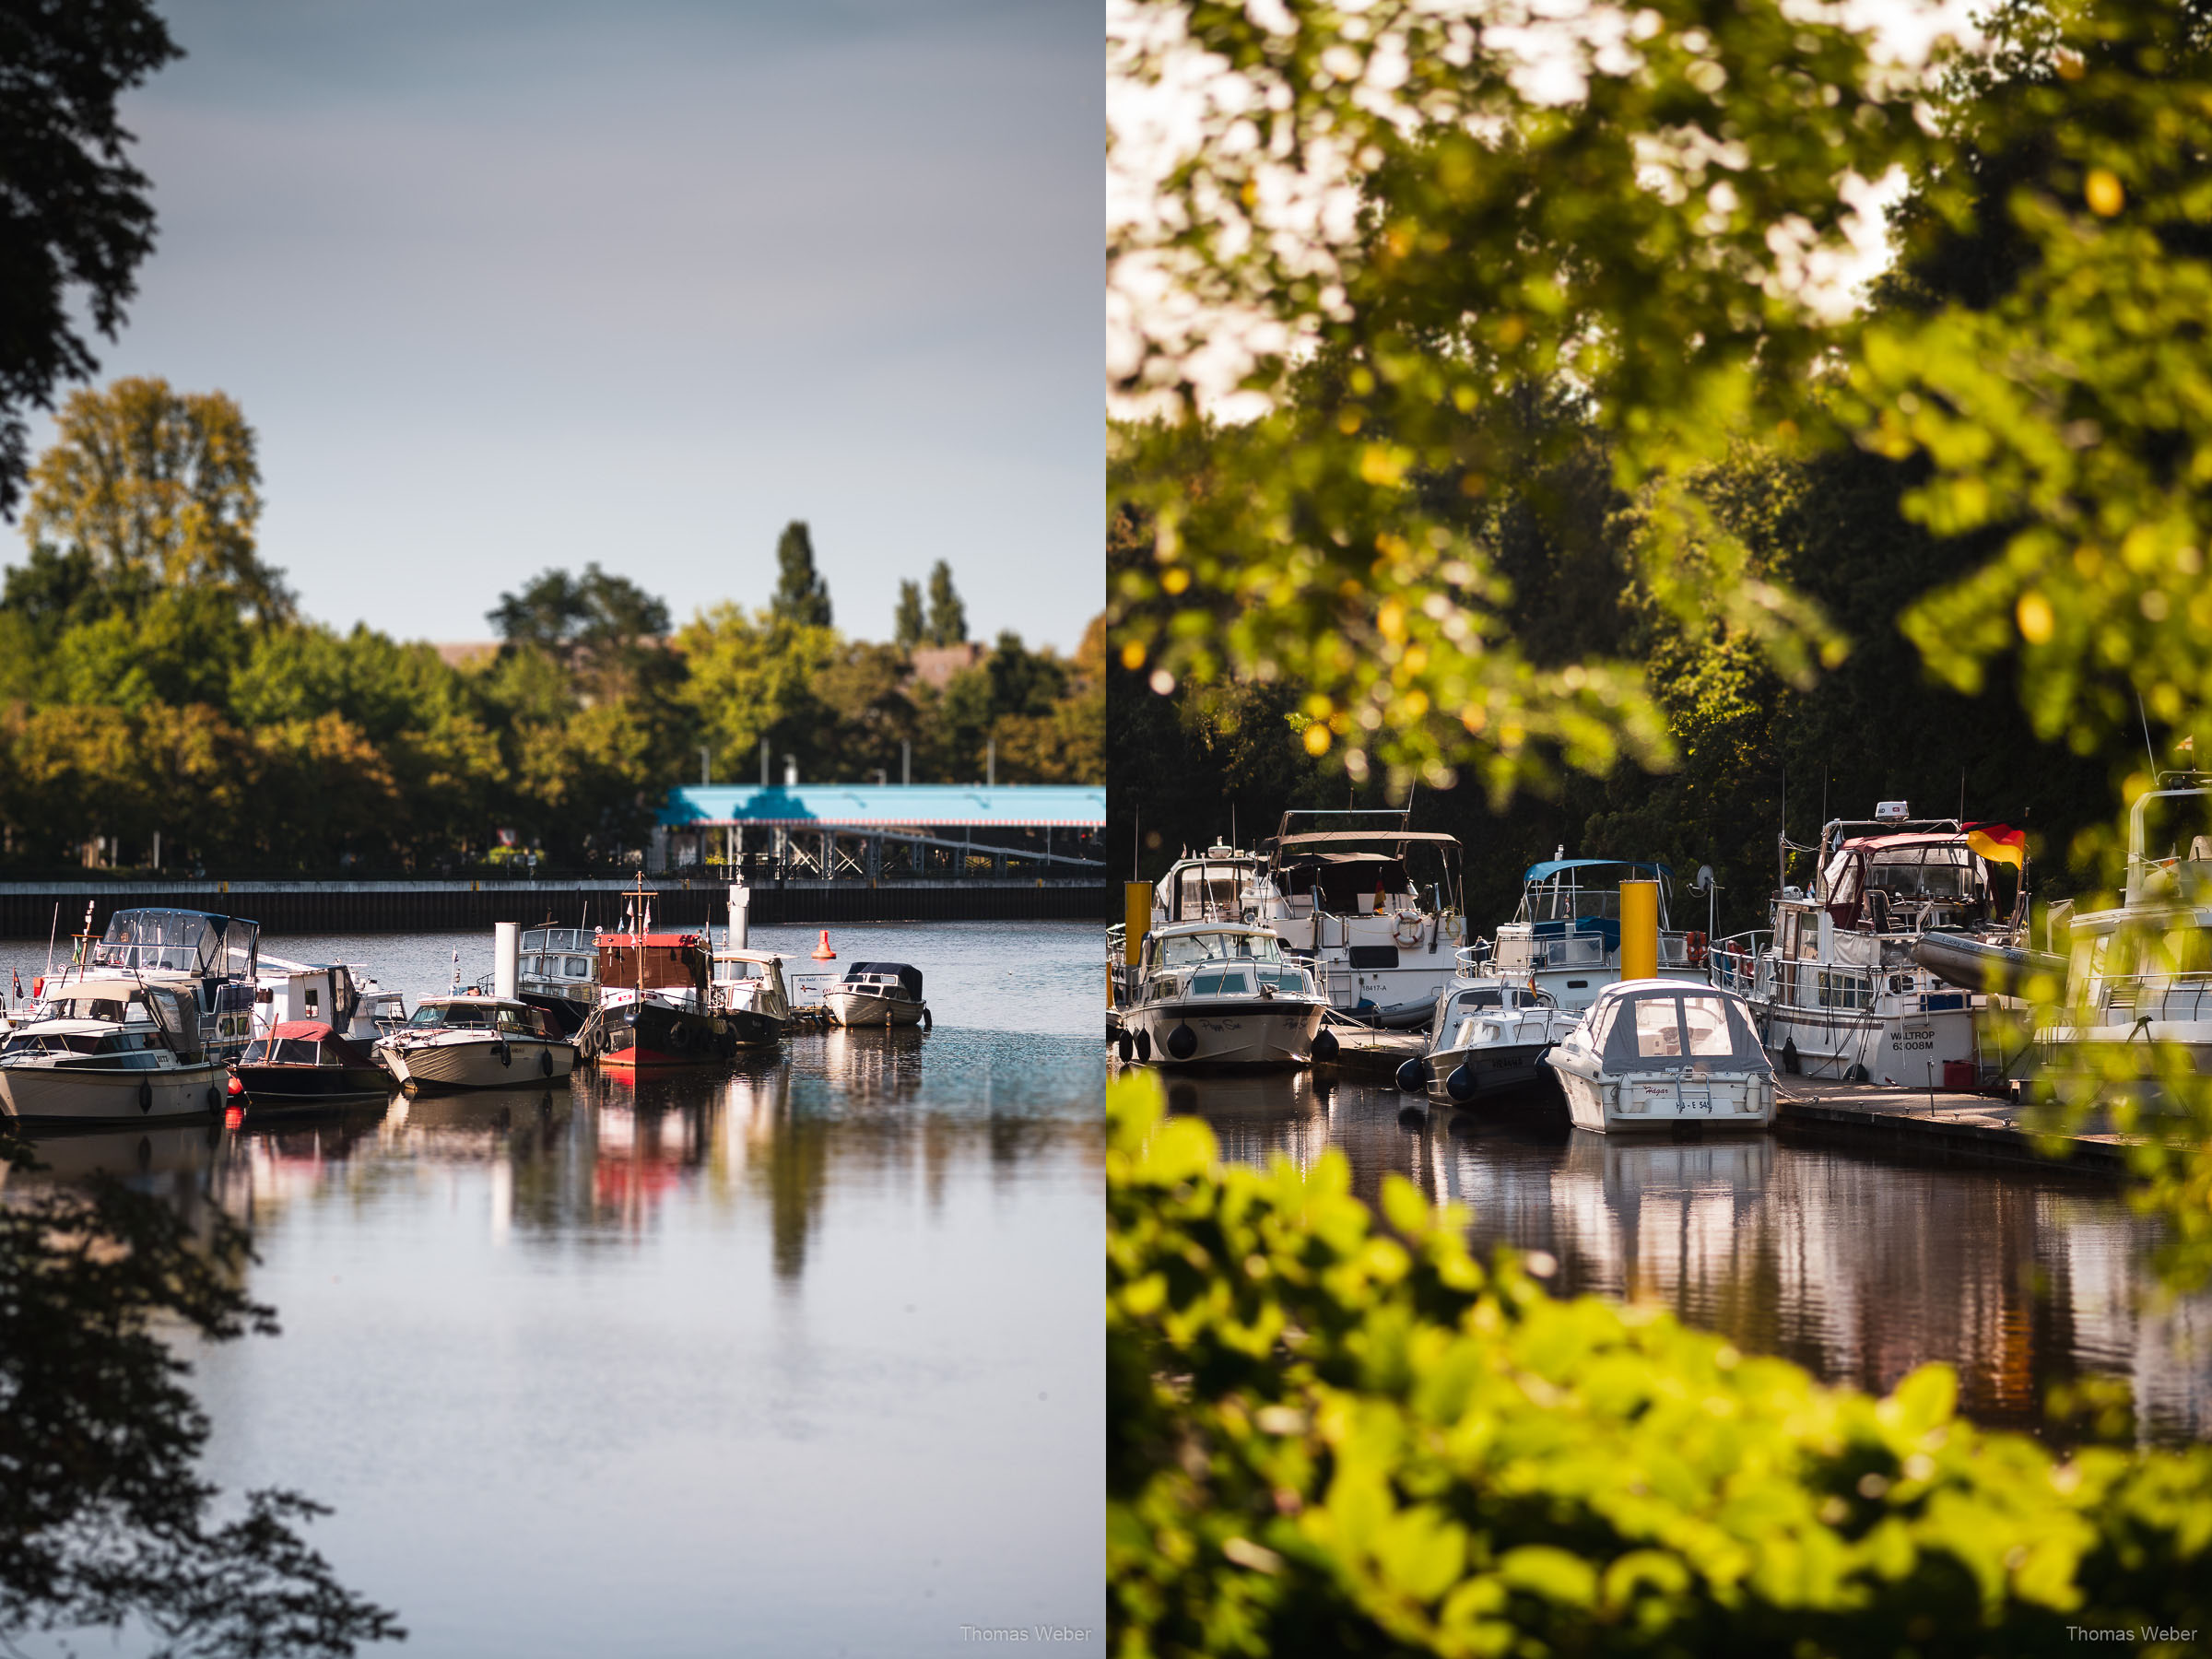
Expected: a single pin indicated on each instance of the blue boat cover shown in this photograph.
(1550, 867)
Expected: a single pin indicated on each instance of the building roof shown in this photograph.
(887, 806)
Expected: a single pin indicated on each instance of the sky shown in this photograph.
(505, 286)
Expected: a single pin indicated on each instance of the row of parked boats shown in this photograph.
(1891, 966)
(176, 1014)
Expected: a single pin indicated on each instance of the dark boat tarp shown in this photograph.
(336, 1049)
(910, 979)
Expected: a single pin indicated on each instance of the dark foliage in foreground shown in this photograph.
(104, 1519)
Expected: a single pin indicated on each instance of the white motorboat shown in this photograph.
(1221, 993)
(876, 994)
(2138, 978)
(473, 1041)
(1838, 981)
(1213, 885)
(216, 957)
(1565, 938)
(109, 1052)
(1486, 1040)
(1660, 1053)
(749, 989)
(1382, 942)
(561, 963)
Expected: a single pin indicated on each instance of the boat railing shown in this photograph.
(2169, 996)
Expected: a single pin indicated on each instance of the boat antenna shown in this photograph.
(1962, 794)
(1782, 840)
(1136, 842)
(53, 932)
(2149, 754)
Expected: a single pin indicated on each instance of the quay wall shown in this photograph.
(28, 907)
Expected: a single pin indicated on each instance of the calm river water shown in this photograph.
(803, 1357)
(1857, 1266)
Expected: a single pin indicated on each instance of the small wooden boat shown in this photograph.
(306, 1066)
(877, 994)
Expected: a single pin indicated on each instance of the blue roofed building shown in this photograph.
(804, 833)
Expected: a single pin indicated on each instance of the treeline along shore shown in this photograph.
(165, 707)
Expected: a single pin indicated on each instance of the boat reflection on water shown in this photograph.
(1857, 1267)
(873, 1065)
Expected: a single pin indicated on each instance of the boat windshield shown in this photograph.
(1921, 872)
(54, 1042)
(1187, 950)
(1648, 1033)
(111, 1009)
(743, 971)
(458, 1016)
(151, 941)
(1208, 891)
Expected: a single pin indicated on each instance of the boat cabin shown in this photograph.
(673, 964)
(1220, 960)
(892, 980)
(467, 1013)
(1657, 1025)
(178, 941)
(150, 1016)
(1570, 917)
(306, 1042)
(1912, 880)
(1212, 886)
(1453, 1006)
(560, 962)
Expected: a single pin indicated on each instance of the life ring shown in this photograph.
(1697, 949)
(1397, 934)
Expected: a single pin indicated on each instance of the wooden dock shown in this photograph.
(1968, 1126)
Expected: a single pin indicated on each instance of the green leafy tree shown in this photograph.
(909, 628)
(751, 676)
(948, 616)
(603, 629)
(157, 489)
(802, 598)
(74, 220)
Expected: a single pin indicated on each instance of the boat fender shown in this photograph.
(215, 1099)
(1183, 1043)
(1124, 1046)
(1791, 1063)
(1412, 1077)
(925, 1023)
(1460, 1085)
(506, 1053)
(146, 1094)
(1325, 1044)
(545, 1063)
(678, 1038)
(1143, 1045)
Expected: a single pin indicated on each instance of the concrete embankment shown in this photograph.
(28, 908)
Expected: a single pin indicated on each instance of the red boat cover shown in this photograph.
(336, 1049)
(672, 940)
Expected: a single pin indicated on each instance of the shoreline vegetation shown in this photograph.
(156, 681)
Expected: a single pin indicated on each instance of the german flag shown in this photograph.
(2000, 843)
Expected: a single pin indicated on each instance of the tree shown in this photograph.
(151, 489)
(605, 629)
(104, 1514)
(948, 616)
(75, 221)
(909, 628)
(751, 676)
(801, 596)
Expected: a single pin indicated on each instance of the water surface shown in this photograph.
(802, 1356)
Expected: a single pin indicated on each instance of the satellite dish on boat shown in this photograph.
(1704, 881)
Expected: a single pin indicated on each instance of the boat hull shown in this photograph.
(266, 1089)
(476, 1063)
(854, 1008)
(652, 1036)
(64, 1098)
(1906, 1046)
(1243, 1034)
(1642, 1103)
(1496, 1071)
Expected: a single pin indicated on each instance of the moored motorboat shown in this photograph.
(1221, 993)
(107, 1052)
(876, 994)
(216, 957)
(307, 1066)
(1380, 934)
(748, 990)
(473, 1041)
(1660, 1053)
(1565, 938)
(1486, 1042)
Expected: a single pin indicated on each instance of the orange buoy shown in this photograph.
(822, 953)
(237, 1086)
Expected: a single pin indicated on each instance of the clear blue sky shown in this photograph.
(504, 286)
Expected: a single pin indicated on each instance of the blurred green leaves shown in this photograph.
(1326, 1438)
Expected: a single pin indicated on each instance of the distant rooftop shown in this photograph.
(884, 806)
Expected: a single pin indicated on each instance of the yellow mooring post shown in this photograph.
(1136, 918)
(1639, 930)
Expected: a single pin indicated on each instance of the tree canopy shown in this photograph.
(802, 595)
(74, 218)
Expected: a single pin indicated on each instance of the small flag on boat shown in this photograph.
(18, 975)
(2000, 843)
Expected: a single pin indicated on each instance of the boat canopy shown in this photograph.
(910, 979)
(1554, 866)
(1395, 837)
(1655, 1025)
(307, 1042)
(179, 941)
